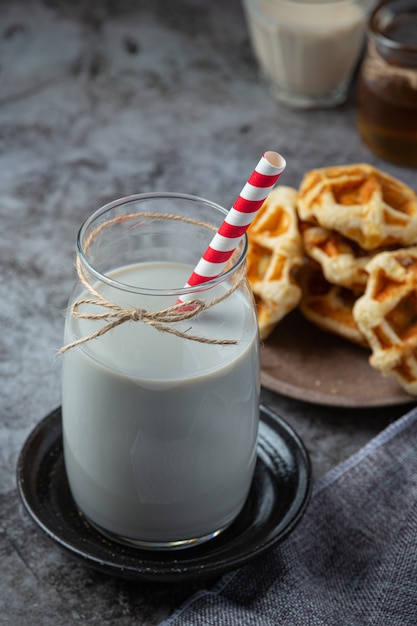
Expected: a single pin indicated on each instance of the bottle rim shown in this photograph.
(381, 17)
(237, 259)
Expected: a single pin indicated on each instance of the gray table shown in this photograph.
(100, 100)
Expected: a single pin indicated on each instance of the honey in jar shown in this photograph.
(387, 96)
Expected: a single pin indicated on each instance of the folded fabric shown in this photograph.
(352, 560)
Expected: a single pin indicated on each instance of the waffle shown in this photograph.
(342, 260)
(328, 306)
(274, 252)
(360, 202)
(387, 315)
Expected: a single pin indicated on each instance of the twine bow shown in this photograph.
(160, 320)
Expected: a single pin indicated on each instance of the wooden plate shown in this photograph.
(300, 361)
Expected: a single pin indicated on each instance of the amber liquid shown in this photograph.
(388, 126)
(387, 118)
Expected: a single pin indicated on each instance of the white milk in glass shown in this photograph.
(307, 49)
(160, 432)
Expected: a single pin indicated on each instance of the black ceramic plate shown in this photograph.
(276, 502)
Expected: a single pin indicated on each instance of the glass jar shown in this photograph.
(387, 97)
(160, 405)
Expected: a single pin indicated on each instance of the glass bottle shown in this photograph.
(159, 430)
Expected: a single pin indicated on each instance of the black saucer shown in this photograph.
(277, 500)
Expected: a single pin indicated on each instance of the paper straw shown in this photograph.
(238, 220)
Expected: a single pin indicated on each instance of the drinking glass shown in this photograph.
(307, 50)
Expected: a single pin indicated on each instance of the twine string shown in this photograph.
(161, 320)
(378, 70)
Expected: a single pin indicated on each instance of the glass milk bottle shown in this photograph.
(160, 406)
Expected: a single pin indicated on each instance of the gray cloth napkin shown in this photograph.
(352, 560)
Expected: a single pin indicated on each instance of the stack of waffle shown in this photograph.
(351, 266)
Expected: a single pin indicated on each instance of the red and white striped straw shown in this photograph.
(239, 218)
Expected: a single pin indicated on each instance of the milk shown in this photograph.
(160, 432)
(307, 50)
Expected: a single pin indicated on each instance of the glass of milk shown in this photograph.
(159, 430)
(307, 50)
